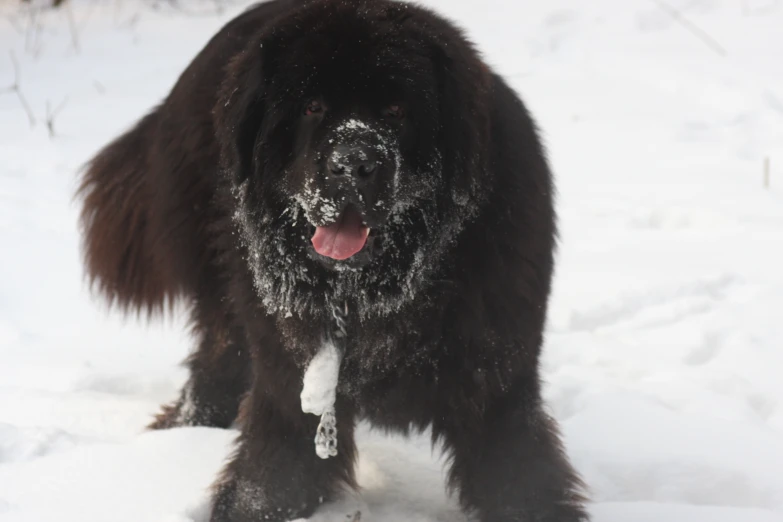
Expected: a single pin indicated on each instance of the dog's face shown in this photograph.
(358, 145)
(343, 192)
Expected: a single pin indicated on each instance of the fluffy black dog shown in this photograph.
(344, 184)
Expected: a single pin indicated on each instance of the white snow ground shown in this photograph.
(664, 358)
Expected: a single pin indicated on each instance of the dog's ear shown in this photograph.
(238, 113)
(464, 106)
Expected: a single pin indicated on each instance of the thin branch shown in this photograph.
(16, 69)
(72, 26)
(16, 87)
(131, 22)
(33, 39)
(696, 31)
(175, 6)
(51, 115)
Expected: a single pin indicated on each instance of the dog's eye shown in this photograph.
(313, 107)
(394, 111)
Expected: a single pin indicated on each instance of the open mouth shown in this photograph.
(344, 238)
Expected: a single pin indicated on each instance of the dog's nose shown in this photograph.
(356, 161)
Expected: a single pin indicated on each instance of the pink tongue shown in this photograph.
(343, 238)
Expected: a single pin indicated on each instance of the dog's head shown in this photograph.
(354, 133)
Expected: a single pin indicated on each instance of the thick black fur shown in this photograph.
(214, 195)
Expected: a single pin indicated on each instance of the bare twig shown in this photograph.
(696, 31)
(16, 87)
(175, 6)
(55, 3)
(35, 30)
(131, 22)
(73, 28)
(766, 173)
(51, 115)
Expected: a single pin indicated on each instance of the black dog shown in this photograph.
(344, 184)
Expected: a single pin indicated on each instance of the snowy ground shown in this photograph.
(664, 358)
